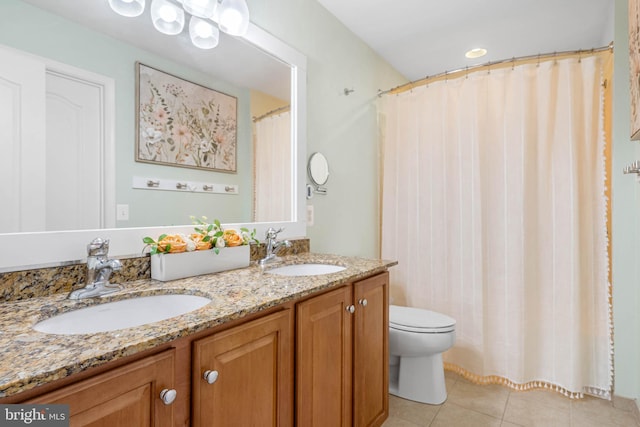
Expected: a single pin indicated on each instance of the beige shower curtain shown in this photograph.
(272, 154)
(494, 204)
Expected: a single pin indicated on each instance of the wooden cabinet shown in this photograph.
(333, 347)
(244, 376)
(125, 396)
(323, 360)
(371, 351)
(342, 356)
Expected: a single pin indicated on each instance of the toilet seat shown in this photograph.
(418, 320)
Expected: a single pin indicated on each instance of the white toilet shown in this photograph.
(417, 339)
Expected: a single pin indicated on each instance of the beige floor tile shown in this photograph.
(417, 413)
(469, 403)
(596, 412)
(452, 415)
(398, 422)
(487, 399)
(538, 408)
(450, 379)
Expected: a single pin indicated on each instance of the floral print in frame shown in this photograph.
(180, 123)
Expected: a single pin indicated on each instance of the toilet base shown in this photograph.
(419, 378)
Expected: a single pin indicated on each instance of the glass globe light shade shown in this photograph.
(129, 8)
(200, 8)
(203, 33)
(233, 17)
(167, 17)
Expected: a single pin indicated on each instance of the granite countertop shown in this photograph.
(29, 358)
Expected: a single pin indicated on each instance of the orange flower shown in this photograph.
(200, 245)
(177, 244)
(232, 238)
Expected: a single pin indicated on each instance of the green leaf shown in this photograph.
(148, 240)
(162, 236)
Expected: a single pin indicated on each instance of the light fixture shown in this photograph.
(476, 53)
(129, 8)
(203, 33)
(200, 8)
(167, 17)
(232, 17)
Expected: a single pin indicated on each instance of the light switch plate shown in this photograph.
(309, 215)
(122, 212)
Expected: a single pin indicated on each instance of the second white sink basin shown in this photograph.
(121, 314)
(306, 269)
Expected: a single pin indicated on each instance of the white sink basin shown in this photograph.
(306, 269)
(121, 314)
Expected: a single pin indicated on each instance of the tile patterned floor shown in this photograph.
(471, 405)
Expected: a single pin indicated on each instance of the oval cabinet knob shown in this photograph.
(168, 396)
(210, 376)
(351, 308)
(363, 302)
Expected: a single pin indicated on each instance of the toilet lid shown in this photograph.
(419, 320)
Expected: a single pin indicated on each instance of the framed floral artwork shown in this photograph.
(634, 65)
(180, 123)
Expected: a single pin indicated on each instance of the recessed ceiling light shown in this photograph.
(476, 53)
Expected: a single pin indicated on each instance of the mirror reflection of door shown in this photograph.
(272, 160)
(54, 146)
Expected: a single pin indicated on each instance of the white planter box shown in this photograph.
(166, 267)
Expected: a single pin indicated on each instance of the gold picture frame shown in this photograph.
(634, 66)
(184, 124)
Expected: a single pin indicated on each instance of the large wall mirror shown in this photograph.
(263, 73)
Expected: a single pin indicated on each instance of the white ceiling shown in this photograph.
(426, 37)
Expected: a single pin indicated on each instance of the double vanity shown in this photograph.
(301, 342)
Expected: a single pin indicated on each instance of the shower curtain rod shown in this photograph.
(269, 113)
(424, 80)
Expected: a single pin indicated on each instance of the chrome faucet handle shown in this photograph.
(98, 247)
(272, 233)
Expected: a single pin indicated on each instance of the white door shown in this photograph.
(22, 142)
(56, 158)
(74, 187)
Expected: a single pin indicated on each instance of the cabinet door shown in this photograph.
(124, 397)
(253, 379)
(371, 351)
(323, 356)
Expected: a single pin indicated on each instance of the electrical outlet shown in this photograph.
(122, 212)
(309, 215)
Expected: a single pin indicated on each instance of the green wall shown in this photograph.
(625, 216)
(342, 127)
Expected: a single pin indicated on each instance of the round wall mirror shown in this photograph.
(318, 169)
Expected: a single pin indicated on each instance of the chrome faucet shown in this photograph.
(273, 245)
(99, 269)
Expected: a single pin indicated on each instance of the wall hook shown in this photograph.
(348, 91)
